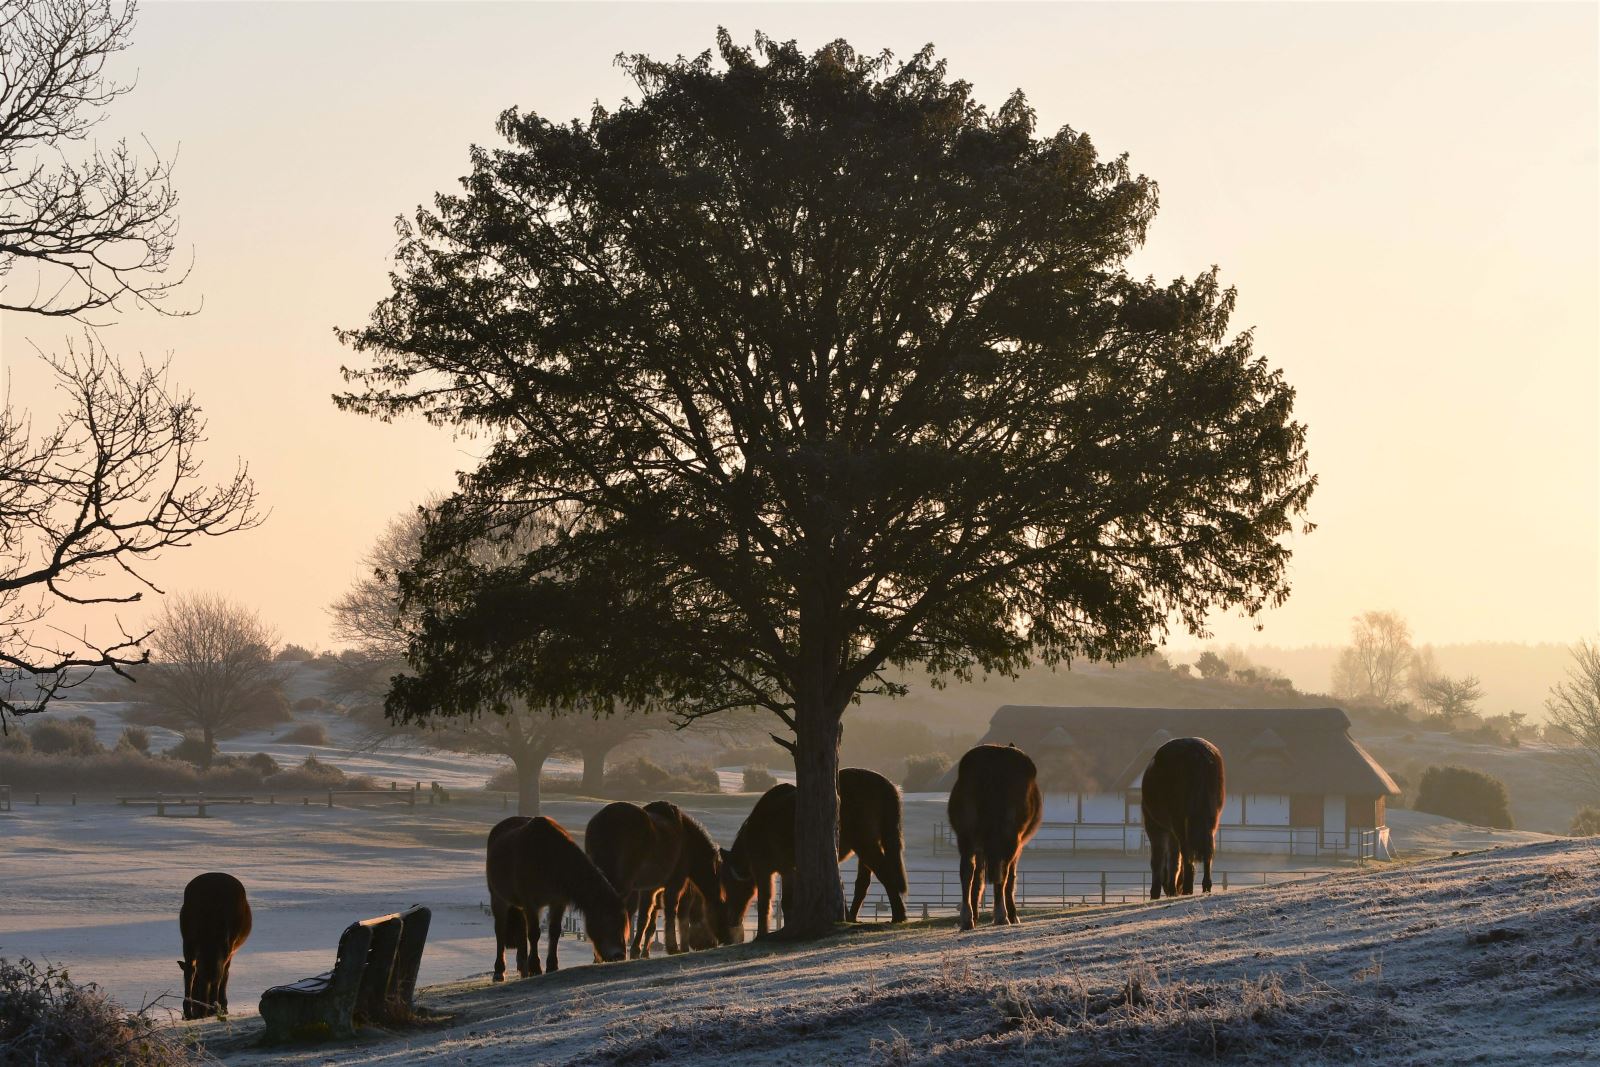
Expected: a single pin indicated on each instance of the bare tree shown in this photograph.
(1376, 666)
(83, 510)
(213, 660)
(1453, 698)
(1574, 709)
(92, 229)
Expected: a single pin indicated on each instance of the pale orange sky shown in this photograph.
(1405, 196)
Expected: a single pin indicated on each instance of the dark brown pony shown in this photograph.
(994, 809)
(214, 922)
(1181, 801)
(651, 854)
(869, 827)
(533, 864)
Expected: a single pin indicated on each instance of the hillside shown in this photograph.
(1488, 957)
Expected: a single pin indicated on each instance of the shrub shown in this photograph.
(45, 1017)
(758, 780)
(1586, 823)
(306, 733)
(1465, 795)
(263, 764)
(58, 737)
(136, 738)
(759, 755)
(314, 774)
(15, 741)
(923, 772)
(642, 779)
(192, 749)
(310, 704)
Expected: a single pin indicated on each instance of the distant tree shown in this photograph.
(757, 780)
(293, 653)
(1453, 698)
(212, 664)
(819, 369)
(1573, 708)
(1464, 795)
(923, 772)
(1375, 667)
(370, 616)
(1211, 665)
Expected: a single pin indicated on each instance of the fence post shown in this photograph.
(36, 800)
(161, 803)
(1102, 887)
(74, 800)
(330, 798)
(201, 804)
(1225, 879)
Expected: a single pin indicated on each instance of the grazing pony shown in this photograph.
(214, 922)
(994, 809)
(869, 827)
(533, 864)
(1181, 801)
(651, 854)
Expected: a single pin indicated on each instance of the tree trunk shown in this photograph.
(594, 771)
(530, 767)
(210, 738)
(818, 895)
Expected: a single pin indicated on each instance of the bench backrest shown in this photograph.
(354, 945)
(408, 960)
(375, 980)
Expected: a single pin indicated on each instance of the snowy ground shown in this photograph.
(96, 887)
(1482, 958)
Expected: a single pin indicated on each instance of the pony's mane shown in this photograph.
(578, 875)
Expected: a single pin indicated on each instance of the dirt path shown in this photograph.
(1488, 957)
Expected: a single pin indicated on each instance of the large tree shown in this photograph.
(1574, 710)
(817, 368)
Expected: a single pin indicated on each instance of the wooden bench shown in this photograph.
(374, 978)
(198, 801)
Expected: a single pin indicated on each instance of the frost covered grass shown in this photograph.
(47, 1018)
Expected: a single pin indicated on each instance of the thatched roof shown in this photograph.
(1264, 750)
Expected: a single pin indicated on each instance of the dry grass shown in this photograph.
(963, 1018)
(46, 1018)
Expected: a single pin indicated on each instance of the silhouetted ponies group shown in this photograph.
(637, 862)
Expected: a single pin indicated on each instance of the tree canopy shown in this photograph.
(815, 366)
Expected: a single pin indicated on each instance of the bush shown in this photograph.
(923, 772)
(314, 774)
(193, 749)
(306, 733)
(760, 755)
(758, 780)
(263, 764)
(310, 704)
(45, 1017)
(642, 779)
(15, 741)
(136, 738)
(64, 737)
(266, 709)
(1465, 795)
(1586, 823)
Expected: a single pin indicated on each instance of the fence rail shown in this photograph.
(935, 893)
(1119, 837)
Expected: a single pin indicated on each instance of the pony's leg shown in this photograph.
(786, 902)
(222, 987)
(863, 883)
(998, 876)
(1206, 854)
(1160, 863)
(641, 912)
(1011, 892)
(533, 941)
(671, 896)
(969, 881)
(552, 962)
(1187, 888)
(498, 909)
(763, 904)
